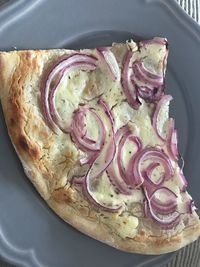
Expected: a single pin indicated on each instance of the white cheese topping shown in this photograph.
(125, 225)
(83, 87)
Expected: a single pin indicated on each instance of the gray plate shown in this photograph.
(30, 233)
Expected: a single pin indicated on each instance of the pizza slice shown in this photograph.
(93, 133)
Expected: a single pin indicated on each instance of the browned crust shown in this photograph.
(139, 244)
(17, 70)
(12, 101)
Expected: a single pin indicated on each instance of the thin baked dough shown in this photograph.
(49, 158)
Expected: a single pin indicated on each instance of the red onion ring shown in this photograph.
(148, 93)
(183, 182)
(128, 87)
(88, 159)
(144, 92)
(78, 180)
(78, 131)
(117, 174)
(163, 101)
(52, 95)
(63, 66)
(101, 163)
(149, 86)
(106, 55)
(167, 206)
(148, 172)
(128, 176)
(150, 153)
(142, 74)
(97, 167)
(172, 141)
(190, 206)
(115, 177)
(167, 221)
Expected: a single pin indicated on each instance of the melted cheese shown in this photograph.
(125, 225)
(123, 113)
(153, 56)
(107, 194)
(69, 94)
(129, 149)
(162, 120)
(84, 87)
(92, 126)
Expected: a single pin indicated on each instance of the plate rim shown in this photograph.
(8, 252)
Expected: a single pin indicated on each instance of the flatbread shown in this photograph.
(51, 157)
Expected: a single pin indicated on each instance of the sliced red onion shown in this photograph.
(128, 175)
(149, 85)
(78, 180)
(172, 141)
(183, 182)
(148, 173)
(107, 55)
(166, 206)
(158, 91)
(58, 71)
(144, 92)
(88, 159)
(151, 168)
(78, 131)
(122, 170)
(102, 162)
(55, 116)
(190, 206)
(128, 87)
(182, 161)
(118, 182)
(147, 92)
(109, 148)
(117, 173)
(165, 220)
(142, 74)
(161, 104)
(113, 171)
(82, 140)
(150, 153)
(173, 224)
